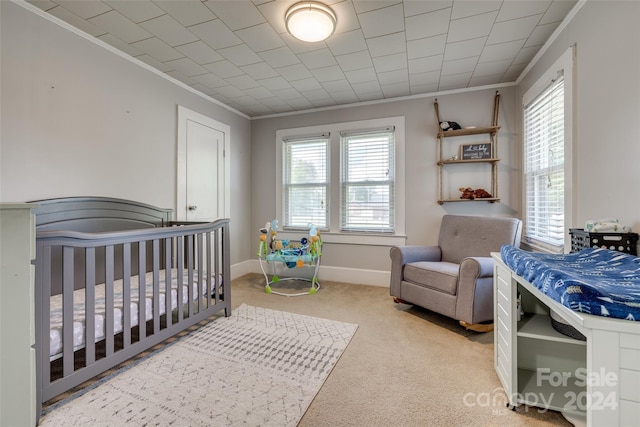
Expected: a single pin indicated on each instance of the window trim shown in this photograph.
(333, 234)
(565, 64)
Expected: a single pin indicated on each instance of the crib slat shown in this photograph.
(142, 290)
(90, 305)
(67, 309)
(190, 272)
(126, 295)
(156, 286)
(108, 299)
(210, 284)
(216, 270)
(167, 281)
(199, 285)
(180, 275)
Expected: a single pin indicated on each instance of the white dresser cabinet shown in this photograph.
(596, 381)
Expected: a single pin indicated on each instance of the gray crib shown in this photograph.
(115, 277)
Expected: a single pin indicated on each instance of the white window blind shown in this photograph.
(544, 161)
(367, 195)
(306, 181)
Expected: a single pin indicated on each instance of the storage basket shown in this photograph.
(621, 242)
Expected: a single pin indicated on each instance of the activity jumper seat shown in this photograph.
(281, 254)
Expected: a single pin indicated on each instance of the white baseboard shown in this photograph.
(335, 274)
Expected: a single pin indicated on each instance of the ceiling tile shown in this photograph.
(387, 45)
(540, 34)
(367, 88)
(210, 80)
(347, 18)
(306, 84)
(158, 49)
(85, 9)
(243, 82)
(337, 85)
(344, 97)
(317, 58)
(393, 77)
(362, 6)
(200, 52)
(42, 4)
(454, 81)
(421, 79)
(464, 49)
(240, 55)
(396, 90)
(428, 24)
(287, 94)
(169, 30)
(427, 64)
(181, 77)
(464, 9)
(354, 61)
(515, 29)
(294, 72)
(496, 52)
(229, 91)
(260, 37)
(485, 80)
(279, 57)
(236, 14)
(224, 69)
(120, 45)
(215, 34)
(149, 60)
(327, 74)
(259, 70)
(526, 54)
(275, 83)
(352, 41)
(490, 68)
(426, 47)
(419, 7)
(298, 46)
(120, 26)
(187, 67)
(316, 94)
(520, 9)
(381, 22)
(471, 27)
(459, 66)
(390, 62)
(361, 76)
(137, 11)
(186, 12)
(258, 92)
(73, 19)
(557, 11)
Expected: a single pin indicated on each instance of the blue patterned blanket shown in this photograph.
(594, 281)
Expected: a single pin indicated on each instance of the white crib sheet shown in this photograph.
(55, 333)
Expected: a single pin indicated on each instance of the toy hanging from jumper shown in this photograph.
(291, 254)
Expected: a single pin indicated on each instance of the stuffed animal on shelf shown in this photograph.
(449, 126)
(471, 194)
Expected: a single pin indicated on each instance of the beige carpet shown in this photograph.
(404, 367)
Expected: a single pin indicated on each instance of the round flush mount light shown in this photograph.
(310, 21)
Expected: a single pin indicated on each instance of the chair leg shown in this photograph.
(477, 327)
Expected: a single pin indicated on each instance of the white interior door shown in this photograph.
(203, 167)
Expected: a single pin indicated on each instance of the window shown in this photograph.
(367, 181)
(342, 178)
(306, 181)
(547, 171)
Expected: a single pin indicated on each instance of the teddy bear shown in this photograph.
(471, 194)
(449, 126)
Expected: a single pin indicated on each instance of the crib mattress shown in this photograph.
(595, 281)
(79, 315)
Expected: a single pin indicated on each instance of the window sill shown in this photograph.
(369, 239)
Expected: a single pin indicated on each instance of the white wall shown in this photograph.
(78, 120)
(423, 213)
(606, 109)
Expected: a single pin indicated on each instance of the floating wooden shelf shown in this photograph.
(468, 131)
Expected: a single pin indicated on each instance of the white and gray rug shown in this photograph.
(259, 367)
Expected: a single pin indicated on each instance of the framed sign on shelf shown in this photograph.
(478, 151)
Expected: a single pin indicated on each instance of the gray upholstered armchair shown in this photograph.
(454, 278)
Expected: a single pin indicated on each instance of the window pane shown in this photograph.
(305, 182)
(368, 181)
(544, 167)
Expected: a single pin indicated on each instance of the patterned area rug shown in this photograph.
(259, 367)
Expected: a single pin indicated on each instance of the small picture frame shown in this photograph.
(478, 151)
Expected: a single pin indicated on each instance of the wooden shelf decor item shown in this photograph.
(476, 152)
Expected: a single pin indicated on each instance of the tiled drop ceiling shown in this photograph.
(239, 52)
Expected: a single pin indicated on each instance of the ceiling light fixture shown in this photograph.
(310, 21)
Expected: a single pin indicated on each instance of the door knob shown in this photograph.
(192, 208)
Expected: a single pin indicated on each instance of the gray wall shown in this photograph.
(606, 109)
(79, 120)
(423, 213)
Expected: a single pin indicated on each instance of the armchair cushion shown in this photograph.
(442, 276)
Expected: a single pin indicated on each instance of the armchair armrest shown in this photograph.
(474, 267)
(475, 288)
(401, 255)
